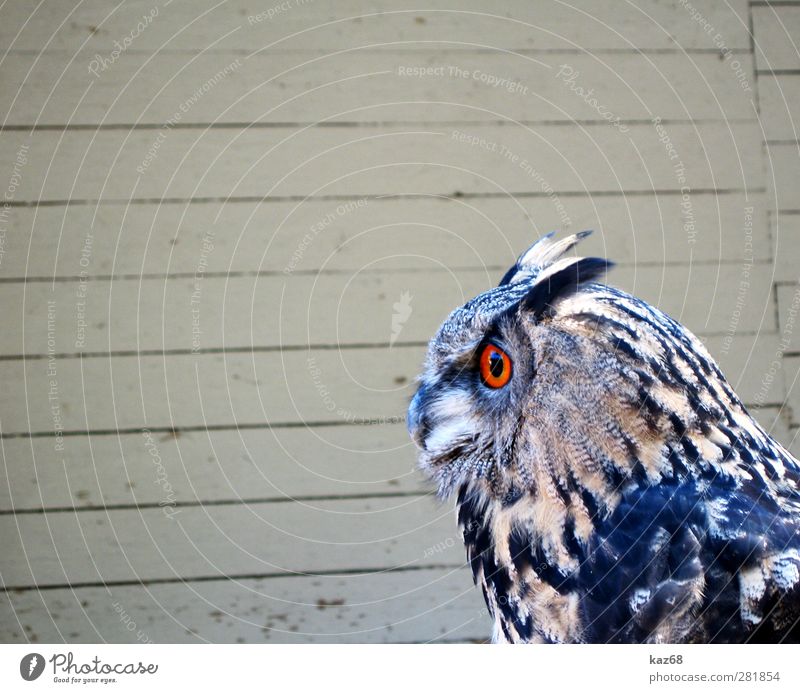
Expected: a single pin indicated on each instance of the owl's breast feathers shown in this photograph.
(664, 514)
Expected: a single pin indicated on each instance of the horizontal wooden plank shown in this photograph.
(224, 466)
(411, 606)
(170, 89)
(209, 467)
(75, 240)
(785, 230)
(789, 368)
(356, 307)
(776, 31)
(783, 172)
(277, 387)
(775, 421)
(216, 541)
(745, 361)
(794, 441)
(778, 96)
(583, 24)
(384, 160)
(196, 390)
(788, 315)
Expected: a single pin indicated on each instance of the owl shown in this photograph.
(610, 485)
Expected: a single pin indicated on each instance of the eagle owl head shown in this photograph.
(552, 385)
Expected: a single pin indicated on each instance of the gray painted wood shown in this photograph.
(201, 466)
(343, 235)
(174, 543)
(777, 96)
(393, 86)
(776, 30)
(384, 160)
(337, 308)
(429, 605)
(586, 25)
(783, 172)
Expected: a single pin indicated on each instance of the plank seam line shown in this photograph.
(258, 125)
(229, 578)
(239, 426)
(398, 51)
(222, 502)
(457, 195)
(237, 274)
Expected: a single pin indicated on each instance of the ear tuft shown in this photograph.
(562, 279)
(541, 254)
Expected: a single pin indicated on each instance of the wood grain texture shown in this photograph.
(783, 172)
(776, 30)
(195, 26)
(428, 605)
(336, 308)
(171, 90)
(168, 543)
(778, 95)
(192, 467)
(344, 235)
(301, 162)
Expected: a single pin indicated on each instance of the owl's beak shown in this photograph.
(414, 420)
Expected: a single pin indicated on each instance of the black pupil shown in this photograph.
(496, 365)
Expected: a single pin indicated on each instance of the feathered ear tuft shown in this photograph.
(561, 279)
(541, 254)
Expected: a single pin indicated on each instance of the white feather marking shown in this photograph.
(638, 599)
(785, 569)
(751, 589)
(445, 435)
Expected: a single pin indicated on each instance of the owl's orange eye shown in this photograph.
(495, 366)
